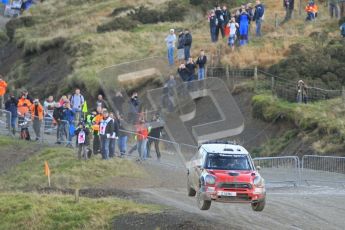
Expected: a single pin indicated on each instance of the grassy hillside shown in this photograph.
(320, 125)
(34, 211)
(66, 170)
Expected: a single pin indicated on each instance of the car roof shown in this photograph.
(224, 148)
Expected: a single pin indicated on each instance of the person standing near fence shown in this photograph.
(113, 136)
(142, 135)
(302, 96)
(68, 117)
(201, 62)
(77, 102)
(11, 106)
(58, 117)
(106, 130)
(24, 105)
(37, 113)
(258, 17)
(82, 140)
(123, 136)
(170, 42)
(153, 137)
(3, 88)
(48, 106)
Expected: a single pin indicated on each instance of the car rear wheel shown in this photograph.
(259, 206)
(202, 204)
(191, 191)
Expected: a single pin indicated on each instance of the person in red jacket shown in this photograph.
(37, 114)
(3, 87)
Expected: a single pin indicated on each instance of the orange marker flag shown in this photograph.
(47, 171)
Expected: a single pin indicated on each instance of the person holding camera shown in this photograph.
(37, 112)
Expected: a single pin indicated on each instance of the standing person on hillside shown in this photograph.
(101, 102)
(244, 27)
(96, 145)
(342, 30)
(153, 137)
(302, 96)
(37, 113)
(24, 105)
(201, 62)
(220, 22)
(188, 39)
(106, 130)
(142, 135)
(227, 17)
(123, 136)
(134, 108)
(213, 21)
(170, 42)
(68, 117)
(77, 102)
(119, 101)
(48, 106)
(180, 47)
(114, 135)
(58, 117)
(258, 17)
(3, 88)
(233, 26)
(11, 106)
(289, 7)
(333, 6)
(82, 133)
(191, 66)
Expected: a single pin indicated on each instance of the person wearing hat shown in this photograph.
(37, 114)
(11, 106)
(170, 42)
(106, 129)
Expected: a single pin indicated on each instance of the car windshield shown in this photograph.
(227, 161)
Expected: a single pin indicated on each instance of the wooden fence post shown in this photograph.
(76, 195)
(255, 78)
(227, 74)
(272, 85)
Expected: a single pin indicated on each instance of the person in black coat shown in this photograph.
(58, 117)
(183, 72)
(154, 136)
(191, 66)
(82, 133)
(289, 7)
(11, 105)
(188, 39)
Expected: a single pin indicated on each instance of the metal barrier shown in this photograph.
(279, 169)
(5, 122)
(56, 132)
(323, 169)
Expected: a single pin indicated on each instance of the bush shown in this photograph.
(123, 23)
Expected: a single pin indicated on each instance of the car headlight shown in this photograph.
(209, 179)
(259, 181)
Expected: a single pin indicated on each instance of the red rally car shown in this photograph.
(225, 172)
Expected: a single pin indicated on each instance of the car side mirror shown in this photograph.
(258, 168)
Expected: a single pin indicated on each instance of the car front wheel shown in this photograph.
(259, 206)
(202, 204)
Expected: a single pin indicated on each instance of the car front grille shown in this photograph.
(234, 185)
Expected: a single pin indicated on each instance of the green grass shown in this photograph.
(323, 121)
(66, 170)
(34, 211)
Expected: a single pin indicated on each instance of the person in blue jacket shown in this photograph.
(244, 27)
(258, 16)
(68, 119)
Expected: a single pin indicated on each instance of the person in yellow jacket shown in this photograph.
(3, 87)
(37, 114)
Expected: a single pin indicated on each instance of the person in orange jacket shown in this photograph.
(3, 87)
(95, 127)
(312, 10)
(24, 106)
(37, 114)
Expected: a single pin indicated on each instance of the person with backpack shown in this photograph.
(258, 16)
(342, 30)
(37, 113)
(201, 62)
(11, 106)
(77, 101)
(188, 39)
